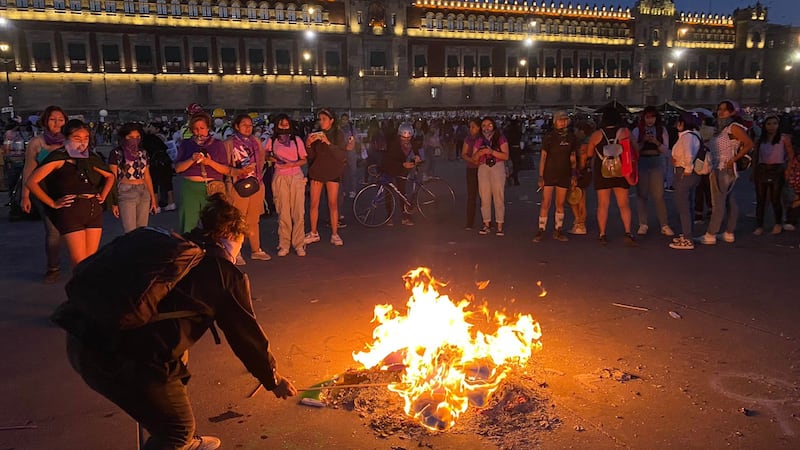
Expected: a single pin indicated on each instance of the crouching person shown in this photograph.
(144, 371)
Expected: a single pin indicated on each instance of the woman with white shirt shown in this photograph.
(685, 179)
(729, 144)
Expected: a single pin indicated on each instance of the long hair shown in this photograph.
(49, 112)
(775, 139)
(495, 141)
(659, 123)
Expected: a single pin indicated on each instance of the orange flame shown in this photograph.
(449, 365)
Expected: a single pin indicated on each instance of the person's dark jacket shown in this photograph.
(392, 163)
(218, 292)
(326, 161)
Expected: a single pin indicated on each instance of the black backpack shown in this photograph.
(119, 287)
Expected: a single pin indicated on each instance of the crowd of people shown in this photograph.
(271, 166)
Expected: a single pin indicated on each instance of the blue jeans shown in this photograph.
(722, 181)
(350, 176)
(134, 206)
(651, 186)
(684, 198)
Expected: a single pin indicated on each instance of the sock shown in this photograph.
(542, 222)
(559, 220)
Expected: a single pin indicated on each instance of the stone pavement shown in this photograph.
(733, 346)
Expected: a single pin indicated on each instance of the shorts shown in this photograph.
(335, 180)
(562, 182)
(82, 214)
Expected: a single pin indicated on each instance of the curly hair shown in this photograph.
(221, 219)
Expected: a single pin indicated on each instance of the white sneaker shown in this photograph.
(260, 255)
(283, 252)
(311, 238)
(158, 210)
(682, 243)
(728, 237)
(204, 443)
(578, 229)
(667, 231)
(707, 239)
(240, 261)
(170, 207)
(301, 251)
(642, 230)
(788, 227)
(336, 240)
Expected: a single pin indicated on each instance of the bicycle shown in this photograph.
(375, 203)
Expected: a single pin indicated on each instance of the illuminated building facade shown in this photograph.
(160, 55)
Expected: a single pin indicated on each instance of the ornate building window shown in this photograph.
(263, 11)
(252, 10)
(22, 3)
(439, 21)
(58, 5)
(236, 10)
(223, 10)
(38, 4)
(471, 23)
(161, 7)
(94, 5)
(192, 8)
(460, 22)
(175, 7)
(128, 7)
(205, 8)
(279, 12)
(144, 7)
(451, 22)
(480, 23)
(74, 5)
(111, 7)
(428, 22)
(492, 23)
(291, 12)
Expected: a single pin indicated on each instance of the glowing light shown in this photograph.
(310, 35)
(449, 364)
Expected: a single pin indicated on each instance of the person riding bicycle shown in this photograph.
(402, 155)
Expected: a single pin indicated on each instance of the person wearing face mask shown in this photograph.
(288, 155)
(491, 153)
(143, 370)
(52, 120)
(247, 156)
(76, 184)
(130, 164)
(327, 155)
(402, 155)
(201, 160)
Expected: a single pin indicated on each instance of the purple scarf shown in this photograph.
(130, 148)
(53, 138)
(77, 150)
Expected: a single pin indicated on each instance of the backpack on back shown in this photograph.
(119, 287)
(611, 166)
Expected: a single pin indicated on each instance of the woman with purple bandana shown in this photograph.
(130, 164)
(201, 159)
(76, 184)
(53, 118)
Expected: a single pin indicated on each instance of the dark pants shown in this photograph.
(52, 238)
(515, 155)
(702, 197)
(684, 190)
(472, 195)
(162, 408)
(769, 187)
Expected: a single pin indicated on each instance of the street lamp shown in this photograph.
(308, 64)
(6, 58)
(524, 64)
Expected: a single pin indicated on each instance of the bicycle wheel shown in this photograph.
(373, 205)
(436, 199)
